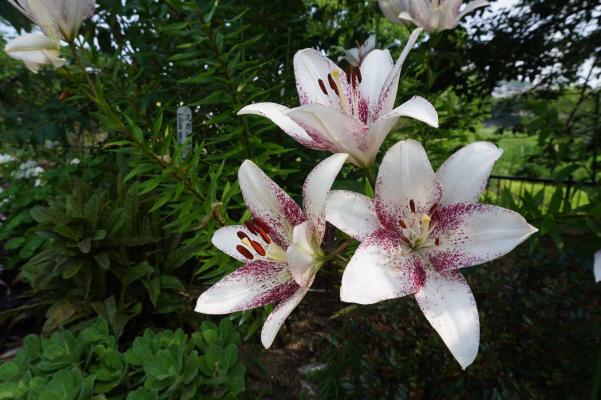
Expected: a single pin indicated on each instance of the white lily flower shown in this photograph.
(431, 15)
(59, 19)
(346, 112)
(419, 230)
(597, 266)
(35, 50)
(356, 55)
(280, 246)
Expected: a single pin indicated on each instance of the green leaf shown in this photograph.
(14, 243)
(103, 260)
(85, 245)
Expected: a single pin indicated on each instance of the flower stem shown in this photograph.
(339, 250)
(106, 109)
(371, 178)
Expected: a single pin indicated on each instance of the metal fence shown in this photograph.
(518, 186)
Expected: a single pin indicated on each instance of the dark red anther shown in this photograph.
(354, 77)
(322, 86)
(333, 84)
(251, 227)
(437, 241)
(241, 235)
(245, 252)
(412, 205)
(262, 230)
(358, 73)
(404, 239)
(260, 224)
(432, 209)
(402, 224)
(258, 248)
(349, 73)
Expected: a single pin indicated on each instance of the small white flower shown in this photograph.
(75, 161)
(6, 158)
(597, 266)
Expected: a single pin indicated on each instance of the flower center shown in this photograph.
(353, 106)
(259, 243)
(416, 229)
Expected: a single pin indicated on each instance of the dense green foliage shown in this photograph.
(105, 214)
(89, 365)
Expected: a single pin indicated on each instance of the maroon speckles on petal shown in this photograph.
(419, 276)
(278, 293)
(245, 252)
(449, 260)
(437, 241)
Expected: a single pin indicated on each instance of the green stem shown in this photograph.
(106, 109)
(369, 174)
(339, 250)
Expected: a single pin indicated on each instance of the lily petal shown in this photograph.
(405, 177)
(316, 189)
(471, 6)
(277, 114)
(279, 314)
(268, 203)
(381, 269)
(331, 129)
(311, 66)
(464, 175)
(417, 108)
(390, 87)
(448, 304)
(392, 8)
(352, 213)
(374, 71)
(35, 50)
(472, 234)
(254, 285)
(597, 266)
(226, 239)
(300, 254)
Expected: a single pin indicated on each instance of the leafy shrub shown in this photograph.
(165, 365)
(107, 256)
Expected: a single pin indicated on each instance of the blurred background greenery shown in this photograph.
(107, 219)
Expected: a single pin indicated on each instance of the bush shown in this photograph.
(165, 365)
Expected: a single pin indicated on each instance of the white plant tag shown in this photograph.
(184, 127)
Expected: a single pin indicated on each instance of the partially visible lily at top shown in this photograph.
(356, 55)
(419, 230)
(431, 15)
(346, 112)
(58, 20)
(597, 266)
(280, 246)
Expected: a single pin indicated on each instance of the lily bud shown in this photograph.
(59, 19)
(431, 15)
(35, 50)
